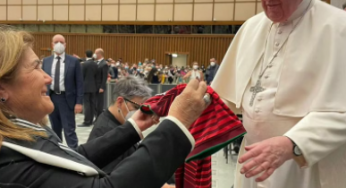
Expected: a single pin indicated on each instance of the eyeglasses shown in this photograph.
(135, 105)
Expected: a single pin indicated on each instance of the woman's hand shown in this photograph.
(265, 157)
(168, 186)
(189, 105)
(144, 121)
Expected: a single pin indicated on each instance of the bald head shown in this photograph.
(99, 53)
(58, 38)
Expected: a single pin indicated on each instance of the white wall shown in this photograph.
(338, 3)
(179, 61)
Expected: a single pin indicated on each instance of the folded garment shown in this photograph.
(213, 130)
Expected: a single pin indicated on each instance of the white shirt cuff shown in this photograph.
(134, 124)
(184, 129)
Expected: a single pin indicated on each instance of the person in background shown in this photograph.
(122, 72)
(133, 68)
(163, 77)
(171, 74)
(195, 73)
(89, 69)
(114, 69)
(146, 61)
(344, 6)
(101, 80)
(66, 90)
(126, 66)
(135, 72)
(80, 59)
(179, 77)
(154, 76)
(203, 69)
(211, 70)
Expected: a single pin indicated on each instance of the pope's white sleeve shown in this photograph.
(318, 134)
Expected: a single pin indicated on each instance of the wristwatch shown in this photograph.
(296, 150)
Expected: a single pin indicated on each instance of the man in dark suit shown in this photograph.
(66, 90)
(101, 80)
(89, 69)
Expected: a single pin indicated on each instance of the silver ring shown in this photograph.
(207, 98)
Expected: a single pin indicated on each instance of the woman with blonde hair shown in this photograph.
(32, 155)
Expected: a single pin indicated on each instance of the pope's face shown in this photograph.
(280, 10)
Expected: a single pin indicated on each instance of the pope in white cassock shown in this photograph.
(286, 71)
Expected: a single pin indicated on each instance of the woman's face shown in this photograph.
(26, 94)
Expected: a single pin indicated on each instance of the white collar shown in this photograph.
(61, 55)
(304, 6)
(27, 124)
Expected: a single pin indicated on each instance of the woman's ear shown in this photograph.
(3, 93)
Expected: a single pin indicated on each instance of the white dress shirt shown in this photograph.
(62, 72)
(99, 61)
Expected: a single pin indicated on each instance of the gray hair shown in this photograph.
(130, 87)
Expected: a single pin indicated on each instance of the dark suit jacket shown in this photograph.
(73, 78)
(156, 159)
(105, 123)
(102, 75)
(89, 68)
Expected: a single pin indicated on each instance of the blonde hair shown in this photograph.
(13, 44)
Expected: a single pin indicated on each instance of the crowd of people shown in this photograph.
(155, 73)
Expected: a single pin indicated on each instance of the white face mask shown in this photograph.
(94, 56)
(117, 64)
(130, 114)
(195, 67)
(59, 48)
(212, 63)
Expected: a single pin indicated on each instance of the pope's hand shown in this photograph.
(189, 105)
(144, 121)
(265, 157)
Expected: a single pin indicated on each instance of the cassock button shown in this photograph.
(259, 99)
(270, 66)
(266, 77)
(280, 32)
(257, 110)
(277, 44)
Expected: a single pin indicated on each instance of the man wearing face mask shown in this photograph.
(129, 92)
(101, 79)
(211, 70)
(195, 73)
(66, 90)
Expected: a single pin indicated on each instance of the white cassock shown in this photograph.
(304, 96)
